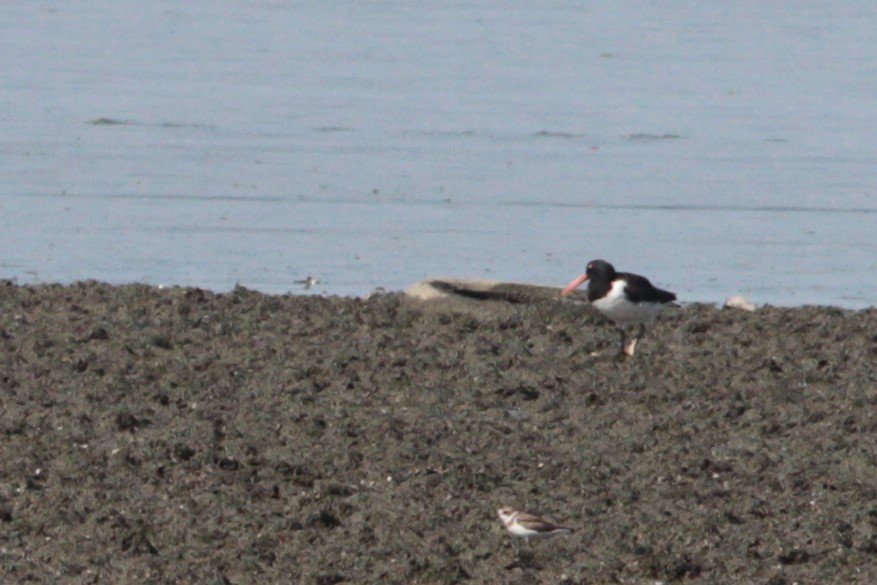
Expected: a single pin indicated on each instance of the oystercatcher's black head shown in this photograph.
(599, 272)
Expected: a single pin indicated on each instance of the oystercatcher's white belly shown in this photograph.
(616, 306)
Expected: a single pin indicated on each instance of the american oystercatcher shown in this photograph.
(627, 299)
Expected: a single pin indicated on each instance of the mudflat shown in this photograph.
(180, 436)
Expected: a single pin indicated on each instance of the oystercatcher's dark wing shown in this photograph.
(640, 290)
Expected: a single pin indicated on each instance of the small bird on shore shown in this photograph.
(528, 525)
(308, 282)
(627, 299)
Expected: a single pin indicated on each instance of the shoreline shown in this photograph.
(412, 290)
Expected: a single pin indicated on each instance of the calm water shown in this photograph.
(720, 150)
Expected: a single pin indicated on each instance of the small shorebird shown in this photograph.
(627, 299)
(528, 525)
(308, 282)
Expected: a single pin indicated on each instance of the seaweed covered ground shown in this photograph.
(179, 436)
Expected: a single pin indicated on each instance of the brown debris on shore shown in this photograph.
(181, 436)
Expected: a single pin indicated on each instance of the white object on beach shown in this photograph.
(739, 303)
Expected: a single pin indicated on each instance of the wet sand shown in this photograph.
(180, 436)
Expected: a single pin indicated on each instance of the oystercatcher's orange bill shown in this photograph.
(574, 285)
